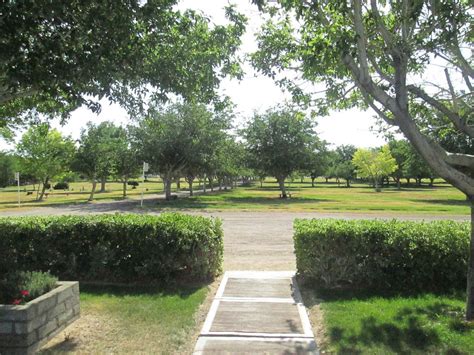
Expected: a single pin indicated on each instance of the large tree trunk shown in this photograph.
(103, 181)
(43, 190)
(125, 188)
(470, 270)
(348, 183)
(94, 184)
(281, 184)
(399, 186)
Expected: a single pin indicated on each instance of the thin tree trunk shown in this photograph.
(190, 180)
(431, 182)
(399, 186)
(408, 181)
(178, 183)
(211, 183)
(377, 187)
(312, 182)
(470, 270)
(204, 188)
(327, 180)
(220, 184)
(281, 184)
(167, 181)
(45, 182)
(125, 188)
(103, 181)
(348, 183)
(94, 184)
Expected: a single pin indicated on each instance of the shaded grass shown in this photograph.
(135, 319)
(330, 197)
(417, 324)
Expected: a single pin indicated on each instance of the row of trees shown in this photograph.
(190, 141)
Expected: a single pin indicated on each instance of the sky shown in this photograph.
(254, 93)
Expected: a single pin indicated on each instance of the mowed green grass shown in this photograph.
(325, 197)
(329, 197)
(124, 319)
(78, 193)
(425, 324)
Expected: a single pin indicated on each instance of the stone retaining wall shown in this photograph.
(25, 328)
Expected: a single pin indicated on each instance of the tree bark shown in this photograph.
(312, 182)
(190, 180)
(431, 182)
(281, 184)
(399, 187)
(178, 183)
(125, 188)
(211, 183)
(103, 181)
(94, 184)
(376, 184)
(348, 183)
(43, 190)
(167, 181)
(470, 270)
(204, 187)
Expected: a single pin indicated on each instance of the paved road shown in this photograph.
(252, 240)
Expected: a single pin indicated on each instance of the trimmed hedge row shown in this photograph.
(114, 247)
(385, 255)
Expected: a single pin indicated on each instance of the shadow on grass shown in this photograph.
(447, 202)
(183, 290)
(239, 202)
(410, 330)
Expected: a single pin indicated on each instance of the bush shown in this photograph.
(61, 186)
(114, 247)
(386, 255)
(133, 183)
(18, 287)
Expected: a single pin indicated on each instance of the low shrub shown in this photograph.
(115, 248)
(386, 255)
(133, 183)
(61, 186)
(19, 287)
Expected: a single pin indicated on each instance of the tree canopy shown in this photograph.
(280, 142)
(57, 56)
(377, 54)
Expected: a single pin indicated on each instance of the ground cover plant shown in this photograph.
(136, 248)
(19, 287)
(124, 319)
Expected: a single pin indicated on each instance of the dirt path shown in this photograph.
(252, 240)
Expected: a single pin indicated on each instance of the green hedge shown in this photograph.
(114, 247)
(388, 255)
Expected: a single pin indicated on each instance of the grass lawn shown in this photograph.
(394, 325)
(131, 320)
(78, 193)
(325, 197)
(441, 199)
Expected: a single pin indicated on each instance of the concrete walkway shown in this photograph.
(257, 312)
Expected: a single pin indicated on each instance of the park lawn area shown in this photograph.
(126, 319)
(78, 193)
(329, 197)
(393, 325)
